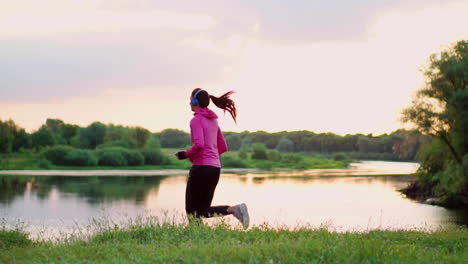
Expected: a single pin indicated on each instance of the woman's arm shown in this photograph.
(221, 142)
(198, 139)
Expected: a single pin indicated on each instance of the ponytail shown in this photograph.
(225, 103)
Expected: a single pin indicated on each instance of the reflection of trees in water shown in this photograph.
(95, 189)
(258, 180)
(11, 186)
(395, 181)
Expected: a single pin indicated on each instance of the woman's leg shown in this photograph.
(200, 190)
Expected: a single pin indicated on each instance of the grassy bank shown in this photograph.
(222, 244)
(37, 161)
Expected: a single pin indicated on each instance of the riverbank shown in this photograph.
(364, 168)
(426, 194)
(222, 244)
(37, 161)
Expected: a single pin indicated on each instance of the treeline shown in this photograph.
(96, 144)
(401, 145)
(101, 144)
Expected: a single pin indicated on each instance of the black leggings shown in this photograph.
(201, 186)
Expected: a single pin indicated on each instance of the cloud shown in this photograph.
(89, 63)
(61, 49)
(48, 24)
(342, 66)
(299, 21)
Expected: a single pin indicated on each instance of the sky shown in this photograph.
(327, 66)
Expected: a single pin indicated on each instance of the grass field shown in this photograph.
(169, 243)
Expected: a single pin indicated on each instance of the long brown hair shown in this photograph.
(224, 101)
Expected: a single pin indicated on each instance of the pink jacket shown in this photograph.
(207, 139)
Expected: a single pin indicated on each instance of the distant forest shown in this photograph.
(400, 145)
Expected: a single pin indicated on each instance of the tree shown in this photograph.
(174, 138)
(68, 132)
(440, 110)
(55, 125)
(43, 137)
(285, 145)
(233, 141)
(141, 135)
(92, 135)
(7, 135)
(259, 151)
(21, 140)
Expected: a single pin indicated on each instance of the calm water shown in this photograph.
(57, 204)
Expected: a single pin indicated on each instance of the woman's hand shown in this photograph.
(180, 155)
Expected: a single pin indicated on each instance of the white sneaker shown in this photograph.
(241, 213)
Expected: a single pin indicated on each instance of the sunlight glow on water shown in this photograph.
(357, 203)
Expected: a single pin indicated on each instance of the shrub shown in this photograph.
(57, 154)
(432, 159)
(233, 162)
(243, 154)
(259, 151)
(339, 156)
(274, 155)
(112, 156)
(80, 157)
(154, 157)
(115, 143)
(44, 163)
(292, 158)
(135, 158)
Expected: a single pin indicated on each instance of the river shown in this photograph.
(361, 198)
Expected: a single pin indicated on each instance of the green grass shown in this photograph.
(169, 243)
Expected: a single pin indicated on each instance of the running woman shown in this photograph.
(208, 144)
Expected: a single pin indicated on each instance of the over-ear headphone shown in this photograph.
(194, 97)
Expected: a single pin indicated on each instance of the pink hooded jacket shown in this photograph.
(207, 139)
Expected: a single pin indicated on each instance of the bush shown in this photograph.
(154, 157)
(135, 158)
(274, 155)
(112, 156)
(451, 185)
(44, 163)
(57, 154)
(432, 159)
(115, 143)
(292, 158)
(233, 162)
(339, 156)
(259, 151)
(80, 157)
(243, 154)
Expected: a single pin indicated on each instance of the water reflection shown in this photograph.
(344, 203)
(93, 189)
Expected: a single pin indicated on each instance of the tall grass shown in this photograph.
(149, 240)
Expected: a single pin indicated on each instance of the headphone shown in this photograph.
(194, 97)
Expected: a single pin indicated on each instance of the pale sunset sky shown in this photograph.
(344, 66)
